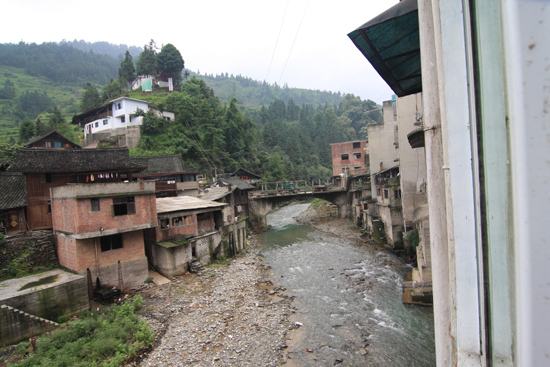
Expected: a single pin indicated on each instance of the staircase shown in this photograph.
(17, 325)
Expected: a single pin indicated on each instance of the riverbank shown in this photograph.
(234, 314)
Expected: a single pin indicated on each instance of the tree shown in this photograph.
(146, 63)
(111, 91)
(8, 92)
(27, 130)
(127, 72)
(170, 61)
(90, 98)
(8, 151)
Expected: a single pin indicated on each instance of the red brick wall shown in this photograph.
(184, 230)
(66, 252)
(347, 148)
(76, 215)
(79, 255)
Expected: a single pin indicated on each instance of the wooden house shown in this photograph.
(12, 203)
(52, 139)
(46, 168)
(171, 177)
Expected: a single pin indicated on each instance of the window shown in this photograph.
(356, 145)
(48, 144)
(48, 178)
(105, 122)
(177, 222)
(188, 219)
(118, 106)
(130, 118)
(357, 155)
(95, 205)
(189, 178)
(385, 193)
(123, 118)
(164, 223)
(57, 144)
(345, 157)
(112, 242)
(124, 206)
(97, 124)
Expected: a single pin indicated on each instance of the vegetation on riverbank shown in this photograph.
(104, 338)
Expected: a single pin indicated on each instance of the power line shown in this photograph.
(293, 42)
(277, 42)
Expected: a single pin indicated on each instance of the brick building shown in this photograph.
(188, 229)
(46, 168)
(349, 158)
(171, 177)
(99, 230)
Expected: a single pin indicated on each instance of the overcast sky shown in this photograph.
(302, 43)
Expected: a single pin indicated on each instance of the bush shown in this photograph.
(104, 338)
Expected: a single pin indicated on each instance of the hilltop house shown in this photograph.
(46, 168)
(116, 117)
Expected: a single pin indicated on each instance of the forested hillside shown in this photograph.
(280, 141)
(251, 92)
(222, 122)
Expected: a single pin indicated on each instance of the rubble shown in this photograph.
(224, 316)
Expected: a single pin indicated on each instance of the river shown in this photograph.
(348, 305)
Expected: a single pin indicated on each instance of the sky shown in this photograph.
(302, 43)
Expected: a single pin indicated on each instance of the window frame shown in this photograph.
(125, 205)
(106, 243)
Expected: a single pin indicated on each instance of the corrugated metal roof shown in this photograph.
(391, 43)
(174, 204)
(214, 193)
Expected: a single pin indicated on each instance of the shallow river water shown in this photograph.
(348, 299)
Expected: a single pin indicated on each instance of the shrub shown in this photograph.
(104, 338)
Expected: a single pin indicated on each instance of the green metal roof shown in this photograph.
(391, 43)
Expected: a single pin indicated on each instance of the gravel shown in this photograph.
(225, 316)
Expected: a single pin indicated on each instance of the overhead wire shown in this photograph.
(293, 42)
(277, 42)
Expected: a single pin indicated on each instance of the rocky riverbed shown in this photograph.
(224, 316)
(228, 315)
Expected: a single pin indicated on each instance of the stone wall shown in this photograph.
(35, 248)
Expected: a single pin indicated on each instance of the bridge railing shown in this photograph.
(292, 187)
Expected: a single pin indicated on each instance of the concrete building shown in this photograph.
(116, 117)
(99, 230)
(349, 158)
(483, 73)
(190, 229)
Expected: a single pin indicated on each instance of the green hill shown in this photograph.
(13, 110)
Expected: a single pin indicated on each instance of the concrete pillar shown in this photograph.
(429, 28)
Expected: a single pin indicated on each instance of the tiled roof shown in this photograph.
(178, 203)
(52, 133)
(235, 181)
(243, 172)
(44, 160)
(162, 165)
(12, 189)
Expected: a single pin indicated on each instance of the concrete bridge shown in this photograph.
(264, 201)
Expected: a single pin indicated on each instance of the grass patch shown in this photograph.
(106, 338)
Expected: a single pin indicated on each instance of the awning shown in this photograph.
(391, 43)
